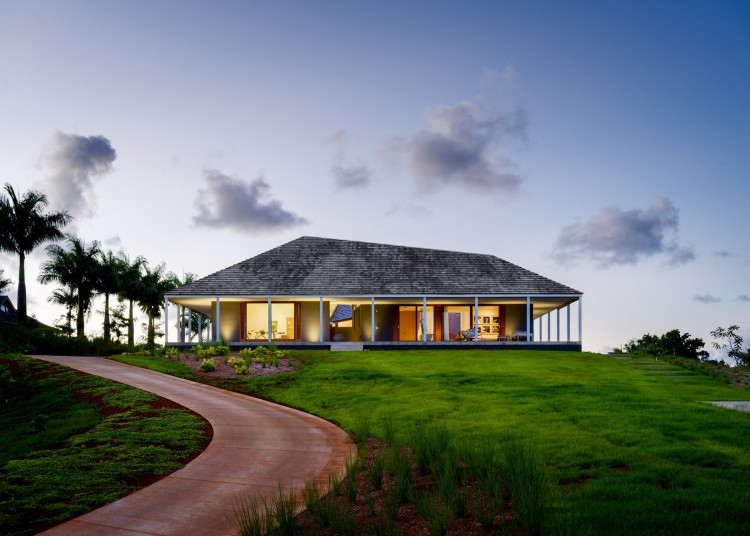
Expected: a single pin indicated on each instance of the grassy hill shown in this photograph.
(632, 444)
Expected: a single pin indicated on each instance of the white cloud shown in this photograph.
(230, 202)
(706, 298)
(76, 163)
(614, 236)
(462, 149)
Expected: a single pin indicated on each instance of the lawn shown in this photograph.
(631, 450)
(72, 442)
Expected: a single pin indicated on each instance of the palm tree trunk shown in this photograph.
(106, 317)
(69, 318)
(151, 334)
(21, 300)
(131, 336)
(79, 317)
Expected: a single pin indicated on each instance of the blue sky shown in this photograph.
(601, 144)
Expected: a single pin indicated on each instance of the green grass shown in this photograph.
(629, 451)
(61, 456)
(159, 364)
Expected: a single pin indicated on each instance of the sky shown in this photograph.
(605, 145)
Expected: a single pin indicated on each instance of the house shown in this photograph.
(7, 311)
(315, 291)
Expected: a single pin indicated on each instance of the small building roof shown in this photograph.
(311, 266)
(7, 311)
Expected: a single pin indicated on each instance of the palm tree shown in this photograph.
(68, 298)
(4, 283)
(155, 283)
(23, 226)
(131, 287)
(110, 269)
(77, 267)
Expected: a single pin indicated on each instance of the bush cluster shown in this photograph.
(210, 350)
(265, 356)
(44, 340)
(671, 343)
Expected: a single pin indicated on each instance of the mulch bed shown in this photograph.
(224, 370)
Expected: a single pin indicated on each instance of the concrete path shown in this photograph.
(256, 445)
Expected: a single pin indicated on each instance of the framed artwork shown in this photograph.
(495, 320)
(485, 329)
(485, 319)
(495, 329)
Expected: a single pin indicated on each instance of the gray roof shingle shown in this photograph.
(310, 266)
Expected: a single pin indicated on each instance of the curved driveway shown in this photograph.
(256, 445)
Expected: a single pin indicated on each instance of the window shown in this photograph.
(283, 321)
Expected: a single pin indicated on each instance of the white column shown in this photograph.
(372, 319)
(321, 319)
(567, 310)
(270, 334)
(190, 325)
(218, 317)
(580, 321)
(549, 326)
(181, 328)
(540, 328)
(476, 318)
(166, 321)
(528, 318)
(424, 318)
(200, 328)
(558, 324)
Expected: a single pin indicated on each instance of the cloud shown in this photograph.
(507, 77)
(351, 176)
(614, 236)
(706, 298)
(76, 163)
(113, 242)
(743, 298)
(230, 202)
(345, 174)
(462, 149)
(722, 253)
(409, 209)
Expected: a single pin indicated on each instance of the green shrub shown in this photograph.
(172, 353)
(208, 365)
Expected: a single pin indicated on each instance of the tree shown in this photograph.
(23, 226)
(131, 287)
(119, 323)
(68, 298)
(671, 343)
(78, 267)
(734, 343)
(156, 282)
(4, 283)
(110, 269)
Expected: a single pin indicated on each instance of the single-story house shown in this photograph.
(318, 291)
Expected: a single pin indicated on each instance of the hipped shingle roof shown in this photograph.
(310, 266)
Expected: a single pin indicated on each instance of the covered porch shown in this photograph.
(378, 322)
